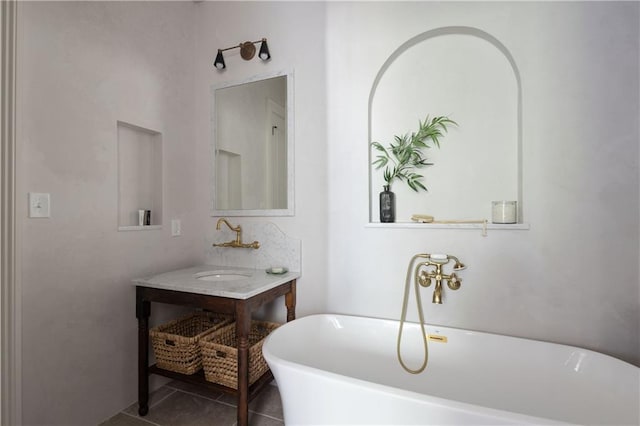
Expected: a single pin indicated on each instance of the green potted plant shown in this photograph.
(402, 157)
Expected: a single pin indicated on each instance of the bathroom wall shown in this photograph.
(84, 66)
(572, 277)
(296, 38)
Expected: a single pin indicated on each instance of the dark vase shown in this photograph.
(387, 205)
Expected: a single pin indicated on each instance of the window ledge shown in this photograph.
(416, 225)
(139, 228)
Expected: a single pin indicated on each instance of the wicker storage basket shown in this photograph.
(220, 353)
(175, 344)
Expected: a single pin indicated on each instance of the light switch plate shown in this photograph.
(39, 204)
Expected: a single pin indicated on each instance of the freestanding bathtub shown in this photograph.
(334, 369)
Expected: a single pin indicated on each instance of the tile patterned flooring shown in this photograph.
(183, 404)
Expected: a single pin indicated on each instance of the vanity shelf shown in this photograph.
(198, 379)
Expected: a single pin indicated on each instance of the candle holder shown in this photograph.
(504, 212)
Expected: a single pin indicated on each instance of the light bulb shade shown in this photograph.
(219, 62)
(264, 51)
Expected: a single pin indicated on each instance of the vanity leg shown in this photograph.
(243, 326)
(143, 310)
(290, 302)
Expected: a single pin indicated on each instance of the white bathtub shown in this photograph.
(334, 369)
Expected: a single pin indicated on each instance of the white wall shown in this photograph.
(84, 66)
(572, 278)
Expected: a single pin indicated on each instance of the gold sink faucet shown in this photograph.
(237, 243)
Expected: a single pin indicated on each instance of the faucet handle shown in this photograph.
(424, 279)
(454, 282)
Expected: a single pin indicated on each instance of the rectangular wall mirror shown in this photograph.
(252, 146)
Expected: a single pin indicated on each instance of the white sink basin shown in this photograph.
(222, 275)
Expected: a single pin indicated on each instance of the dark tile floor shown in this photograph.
(182, 404)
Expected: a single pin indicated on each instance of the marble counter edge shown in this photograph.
(183, 280)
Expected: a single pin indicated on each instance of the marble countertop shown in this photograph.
(257, 281)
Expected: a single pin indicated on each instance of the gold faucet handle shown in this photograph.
(454, 282)
(424, 279)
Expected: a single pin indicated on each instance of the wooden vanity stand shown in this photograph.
(227, 303)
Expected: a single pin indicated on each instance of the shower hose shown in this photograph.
(403, 317)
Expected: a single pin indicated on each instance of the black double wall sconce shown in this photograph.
(247, 52)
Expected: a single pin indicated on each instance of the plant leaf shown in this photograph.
(405, 152)
(381, 161)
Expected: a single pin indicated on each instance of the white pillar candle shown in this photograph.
(504, 212)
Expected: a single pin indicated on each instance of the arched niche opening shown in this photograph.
(469, 76)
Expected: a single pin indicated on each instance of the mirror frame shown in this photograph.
(289, 211)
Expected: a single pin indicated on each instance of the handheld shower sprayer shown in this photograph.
(423, 277)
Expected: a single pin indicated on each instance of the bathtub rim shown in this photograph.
(475, 331)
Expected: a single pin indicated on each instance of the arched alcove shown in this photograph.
(470, 76)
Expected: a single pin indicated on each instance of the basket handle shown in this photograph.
(169, 342)
(220, 354)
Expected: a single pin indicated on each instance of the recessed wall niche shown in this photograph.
(139, 176)
(469, 76)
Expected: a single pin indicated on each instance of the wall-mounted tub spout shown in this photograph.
(437, 294)
(429, 269)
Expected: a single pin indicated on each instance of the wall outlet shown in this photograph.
(176, 228)
(39, 204)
